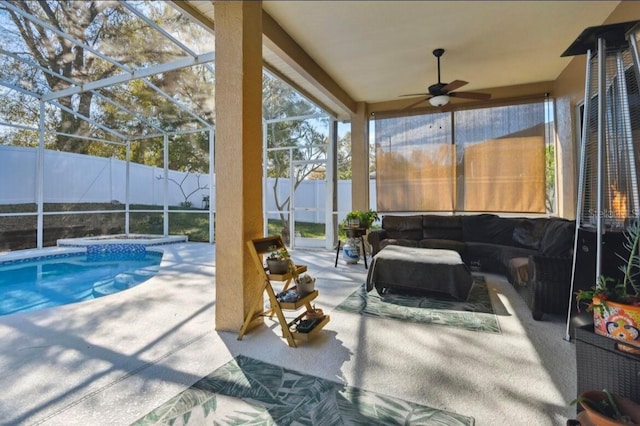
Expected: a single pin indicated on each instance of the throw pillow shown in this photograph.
(529, 232)
(558, 238)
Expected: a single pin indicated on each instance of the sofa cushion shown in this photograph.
(529, 232)
(398, 242)
(558, 238)
(405, 227)
(488, 256)
(442, 227)
(488, 228)
(436, 243)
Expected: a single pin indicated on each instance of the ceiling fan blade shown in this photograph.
(415, 94)
(446, 108)
(454, 85)
(416, 103)
(471, 95)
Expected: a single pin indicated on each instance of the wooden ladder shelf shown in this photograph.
(258, 248)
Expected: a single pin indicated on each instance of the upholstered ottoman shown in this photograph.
(411, 268)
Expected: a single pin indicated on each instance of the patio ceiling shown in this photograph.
(376, 51)
(341, 53)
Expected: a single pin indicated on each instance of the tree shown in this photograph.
(344, 157)
(87, 22)
(287, 140)
(107, 27)
(550, 177)
(180, 184)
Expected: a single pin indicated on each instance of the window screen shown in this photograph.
(483, 159)
(415, 163)
(500, 153)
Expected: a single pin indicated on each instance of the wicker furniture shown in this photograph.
(546, 290)
(486, 240)
(601, 365)
(535, 254)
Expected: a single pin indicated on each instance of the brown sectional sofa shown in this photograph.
(535, 254)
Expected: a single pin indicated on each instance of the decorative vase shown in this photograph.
(350, 253)
(355, 242)
(278, 266)
(625, 405)
(617, 321)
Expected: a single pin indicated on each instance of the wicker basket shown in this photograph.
(601, 365)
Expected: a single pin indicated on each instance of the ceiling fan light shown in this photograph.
(440, 100)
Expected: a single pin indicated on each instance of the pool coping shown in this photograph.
(17, 256)
(147, 240)
(38, 253)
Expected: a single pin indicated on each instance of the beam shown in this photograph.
(194, 13)
(73, 82)
(277, 40)
(133, 75)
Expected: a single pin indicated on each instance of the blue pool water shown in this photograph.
(31, 284)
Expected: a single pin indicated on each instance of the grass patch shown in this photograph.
(306, 229)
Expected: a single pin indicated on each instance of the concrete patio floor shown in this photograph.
(109, 361)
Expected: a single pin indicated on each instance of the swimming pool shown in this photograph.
(46, 281)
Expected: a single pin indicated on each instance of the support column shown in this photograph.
(238, 162)
(360, 159)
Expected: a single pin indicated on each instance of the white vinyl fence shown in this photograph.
(78, 178)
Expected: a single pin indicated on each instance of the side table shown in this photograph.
(356, 233)
(601, 365)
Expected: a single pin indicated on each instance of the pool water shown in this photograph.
(48, 281)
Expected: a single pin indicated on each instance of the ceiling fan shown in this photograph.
(440, 93)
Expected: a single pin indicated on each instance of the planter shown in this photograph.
(597, 418)
(316, 313)
(350, 253)
(306, 287)
(353, 223)
(354, 242)
(278, 266)
(617, 321)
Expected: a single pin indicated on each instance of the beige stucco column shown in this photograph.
(238, 157)
(360, 158)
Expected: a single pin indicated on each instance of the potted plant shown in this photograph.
(352, 220)
(606, 409)
(305, 284)
(616, 305)
(360, 219)
(355, 225)
(278, 260)
(367, 218)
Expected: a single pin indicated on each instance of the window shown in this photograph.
(475, 160)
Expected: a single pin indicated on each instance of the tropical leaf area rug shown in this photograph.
(475, 314)
(246, 391)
